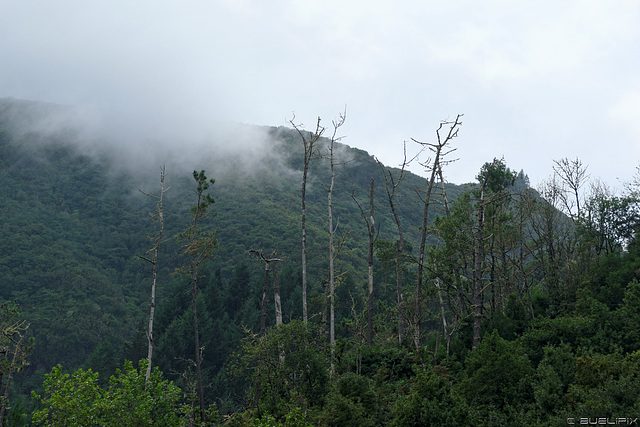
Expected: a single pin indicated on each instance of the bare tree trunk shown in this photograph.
(308, 143)
(370, 261)
(437, 280)
(304, 244)
(436, 169)
(276, 291)
(445, 329)
(399, 274)
(477, 273)
(265, 287)
(371, 231)
(263, 311)
(332, 255)
(154, 262)
(391, 183)
(332, 332)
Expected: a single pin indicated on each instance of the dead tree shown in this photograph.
(332, 253)
(435, 168)
(573, 175)
(265, 288)
(158, 217)
(308, 141)
(448, 334)
(370, 223)
(391, 183)
(276, 292)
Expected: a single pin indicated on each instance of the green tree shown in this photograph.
(431, 402)
(130, 400)
(608, 222)
(553, 376)
(498, 375)
(606, 385)
(199, 245)
(288, 366)
(103, 360)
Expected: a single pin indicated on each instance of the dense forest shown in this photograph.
(409, 301)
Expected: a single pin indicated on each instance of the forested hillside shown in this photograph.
(522, 309)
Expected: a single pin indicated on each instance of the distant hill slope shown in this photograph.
(73, 221)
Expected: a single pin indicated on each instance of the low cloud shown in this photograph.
(139, 145)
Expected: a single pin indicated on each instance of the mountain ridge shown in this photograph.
(75, 221)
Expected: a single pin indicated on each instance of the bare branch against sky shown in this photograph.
(537, 81)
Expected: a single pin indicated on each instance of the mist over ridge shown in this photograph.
(139, 147)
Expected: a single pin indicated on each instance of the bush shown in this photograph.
(78, 400)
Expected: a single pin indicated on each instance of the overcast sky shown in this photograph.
(536, 81)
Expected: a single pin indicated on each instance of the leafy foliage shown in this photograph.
(78, 400)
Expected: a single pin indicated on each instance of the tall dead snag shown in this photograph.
(448, 334)
(334, 138)
(435, 168)
(158, 217)
(371, 232)
(265, 287)
(308, 141)
(391, 183)
(276, 290)
(199, 245)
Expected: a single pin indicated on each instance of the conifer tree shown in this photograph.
(200, 243)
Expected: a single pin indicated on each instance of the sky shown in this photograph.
(536, 81)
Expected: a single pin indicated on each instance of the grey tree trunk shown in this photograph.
(159, 217)
(390, 186)
(263, 311)
(477, 272)
(436, 170)
(308, 143)
(370, 262)
(276, 291)
(332, 330)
